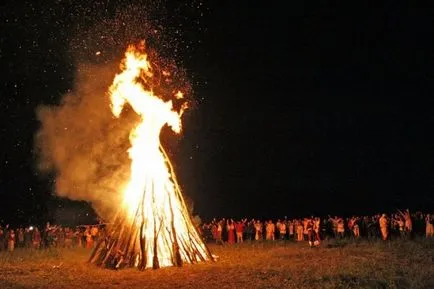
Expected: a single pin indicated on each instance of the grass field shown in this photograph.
(345, 264)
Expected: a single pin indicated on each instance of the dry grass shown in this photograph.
(347, 264)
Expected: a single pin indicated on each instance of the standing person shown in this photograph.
(231, 232)
(291, 229)
(2, 239)
(356, 227)
(384, 227)
(408, 222)
(334, 225)
(214, 230)
(83, 236)
(429, 226)
(78, 242)
(350, 224)
(6, 237)
(282, 230)
(310, 232)
(316, 229)
(353, 225)
(47, 235)
(371, 226)
(60, 237)
(36, 238)
(258, 230)
(250, 229)
(419, 225)
(363, 222)
(52, 236)
(341, 228)
(239, 227)
(89, 239)
(305, 221)
(401, 225)
(20, 239)
(300, 230)
(225, 230)
(219, 235)
(28, 237)
(11, 241)
(95, 230)
(277, 228)
(269, 229)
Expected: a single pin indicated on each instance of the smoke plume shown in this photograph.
(84, 144)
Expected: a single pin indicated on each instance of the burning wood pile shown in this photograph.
(153, 227)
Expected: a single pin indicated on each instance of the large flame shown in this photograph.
(152, 201)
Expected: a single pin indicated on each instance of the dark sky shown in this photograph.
(301, 109)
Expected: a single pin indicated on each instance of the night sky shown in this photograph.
(300, 109)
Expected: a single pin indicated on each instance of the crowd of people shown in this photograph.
(49, 237)
(401, 224)
(313, 229)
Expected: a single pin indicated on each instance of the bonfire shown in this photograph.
(153, 227)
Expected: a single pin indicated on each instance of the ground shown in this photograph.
(344, 264)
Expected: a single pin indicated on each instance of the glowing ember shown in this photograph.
(154, 228)
(179, 95)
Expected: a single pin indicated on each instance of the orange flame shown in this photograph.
(152, 197)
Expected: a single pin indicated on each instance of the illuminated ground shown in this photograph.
(396, 264)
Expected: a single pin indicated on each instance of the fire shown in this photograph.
(148, 162)
(154, 228)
